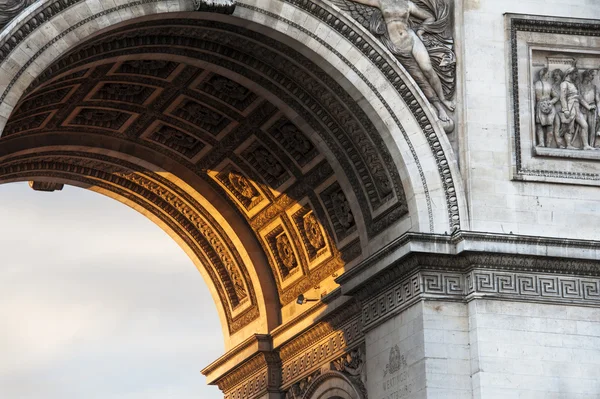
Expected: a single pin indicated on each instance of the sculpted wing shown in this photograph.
(360, 12)
(11, 8)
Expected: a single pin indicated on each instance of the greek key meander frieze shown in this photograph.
(556, 121)
(480, 283)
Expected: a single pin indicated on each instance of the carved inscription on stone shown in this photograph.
(395, 376)
(566, 94)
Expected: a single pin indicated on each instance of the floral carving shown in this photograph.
(351, 363)
(177, 140)
(298, 390)
(157, 68)
(285, 251)
(342, 209)
(312, 229)
(228, 87)
(204, 114)
(102, 118)
(267, 162)
(242, 185)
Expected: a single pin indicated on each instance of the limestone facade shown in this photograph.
(387, 199)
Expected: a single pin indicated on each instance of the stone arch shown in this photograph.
(333, 385)
(385, 158)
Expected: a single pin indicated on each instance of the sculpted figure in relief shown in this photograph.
(557, 78)
(419, 34)
(590, 98)
(571, 115)
(545, 110)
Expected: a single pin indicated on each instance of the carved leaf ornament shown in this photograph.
(313, 231)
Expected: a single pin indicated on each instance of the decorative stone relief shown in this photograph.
(177, 140)
(220, 6)
(228, 91)
(282, 250)
(130, 93)
(397, 361)
(285, 251)
(294, 142)
(419, 34)
(339, 210)
(100, 118)
(266, 164)
(567, 94)
(242, 186)
(312, 229)
(555, 91)
(9, 9)
(156, 68)
(298, 389)
(202, 117)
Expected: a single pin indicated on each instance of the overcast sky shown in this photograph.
(97, 302)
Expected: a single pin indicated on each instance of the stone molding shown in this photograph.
(256, 366)
(319, 345)
(534, 253)
(475, 275)
(331, 376)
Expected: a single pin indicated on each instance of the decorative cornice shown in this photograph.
(252, 345)
(477, 283)
(567, 255)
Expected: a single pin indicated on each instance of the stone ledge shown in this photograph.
(562, 254)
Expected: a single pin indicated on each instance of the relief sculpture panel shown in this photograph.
(555, 88)
(566, 96)
(419, 34)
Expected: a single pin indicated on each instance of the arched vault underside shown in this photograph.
(265, 162)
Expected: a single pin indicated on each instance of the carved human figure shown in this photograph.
(596, 82)
(590, 98)
(571, 114)
(557, 78)
(411, 32)
(544, 108)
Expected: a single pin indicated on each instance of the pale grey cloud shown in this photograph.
(97, 302)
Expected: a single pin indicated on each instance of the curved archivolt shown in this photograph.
(267, 142)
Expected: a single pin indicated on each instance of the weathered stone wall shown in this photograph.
(432, 356)
(497, 203)
(530, 350)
